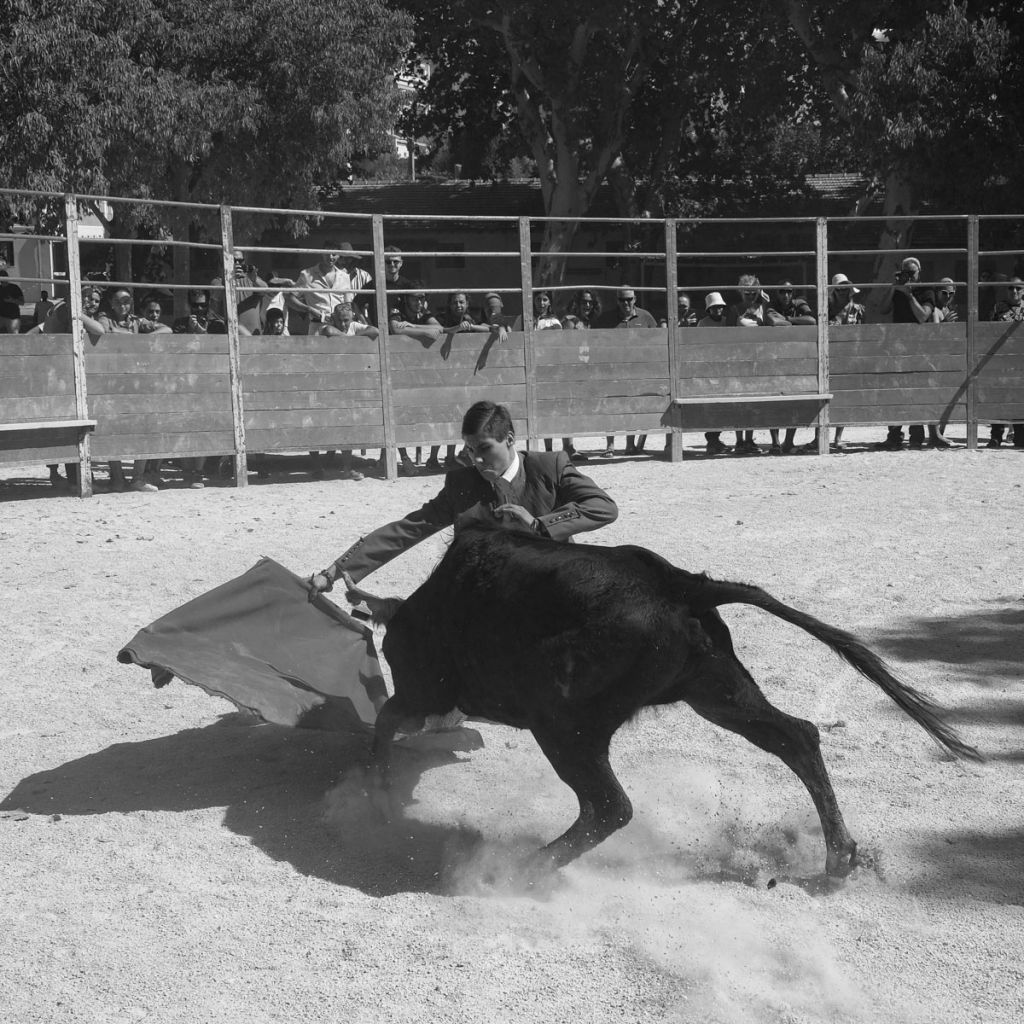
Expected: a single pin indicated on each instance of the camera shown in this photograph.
(902, 277)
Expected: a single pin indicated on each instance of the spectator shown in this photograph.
(43, 308)
(787, 308)
(714, 316)
(121, 320)
(249, 304)
(685, 316)
(626, 315)
(544, 318)
(1012, 312)
(10, 317)
(275, 322)
(150, 313)
(843, 307)
(343, 322)
(946, 311)
(395, 280)
(333, 279)
(201, 319)
(752, 309)
(359, 280)
(910, 305)
(585, 307)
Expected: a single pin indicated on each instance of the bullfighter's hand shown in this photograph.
(509, 511)
(318, 584)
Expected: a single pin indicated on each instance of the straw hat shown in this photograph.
(842, 281)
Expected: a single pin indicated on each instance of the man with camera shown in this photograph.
(248, 302)
(912, 305)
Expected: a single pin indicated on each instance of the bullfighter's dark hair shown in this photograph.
(489, 419)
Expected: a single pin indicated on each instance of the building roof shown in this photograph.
(513, 197)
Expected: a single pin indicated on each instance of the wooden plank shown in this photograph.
(59, 366)
(169, 406)
(158, 384)
(406, 397)
(328, 362)
(569, 408)
(997, 333)
(39, 451)
(841, 363)
(863, 415)
(923, 341)
(445, 376)
(744, 415)
(1001, 362)
(305, 439)
(556, 390)
(924, 379)
(610, 338)
(462, 355)
(653, 354)
(604, 371)
(49, 346)
(740, 385)
(349, 380)
(816, 399)
(1006, 412)
(449, 415)
(39, 407)
(577, 425)
(768, 367)
(45, 428)
(1001, 393)
(304, 345)
(314, 419)
(897, 396)
(162, 344)
(265, 400)
(131, 363)
(141, 421)
(160, 446)
(746, 352)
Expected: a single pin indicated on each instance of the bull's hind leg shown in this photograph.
(727, 695)
(581, 761)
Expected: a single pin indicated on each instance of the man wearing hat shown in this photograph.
(714, 310)
(842, 305)
(334, 278)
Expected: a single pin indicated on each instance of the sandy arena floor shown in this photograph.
(166, 861)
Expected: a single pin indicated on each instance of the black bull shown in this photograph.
(571, 641)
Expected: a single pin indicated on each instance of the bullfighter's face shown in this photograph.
(490, 456)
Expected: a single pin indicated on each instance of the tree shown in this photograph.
(252, 102)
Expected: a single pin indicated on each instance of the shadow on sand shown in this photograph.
(279, 787)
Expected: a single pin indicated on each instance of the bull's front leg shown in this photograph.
(391, 718)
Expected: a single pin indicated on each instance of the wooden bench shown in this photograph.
(61, 440)
(746, 412)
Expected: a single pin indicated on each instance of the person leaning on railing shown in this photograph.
(752, 310)
(626, 315)
(786, 308)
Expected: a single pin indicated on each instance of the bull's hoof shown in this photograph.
(839, 863)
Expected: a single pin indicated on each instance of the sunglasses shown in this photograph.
(627, 302)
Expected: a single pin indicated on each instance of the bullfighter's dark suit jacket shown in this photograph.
(547, 484)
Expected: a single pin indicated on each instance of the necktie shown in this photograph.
(504, 492)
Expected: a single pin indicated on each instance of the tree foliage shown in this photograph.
(246, 101)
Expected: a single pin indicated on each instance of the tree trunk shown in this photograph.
(899, 209)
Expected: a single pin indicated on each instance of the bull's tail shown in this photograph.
(704, 593)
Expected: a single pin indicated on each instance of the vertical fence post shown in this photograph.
(972, 330)
(78, 343)
(383, 349)
(821, 267)
(227, 241)
(529, 353)
(675, 435)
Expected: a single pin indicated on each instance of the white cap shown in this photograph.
(842, 281)
(714, 299)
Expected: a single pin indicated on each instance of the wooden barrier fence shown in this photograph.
(165, 395)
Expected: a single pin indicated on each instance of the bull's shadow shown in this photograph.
(987, 866)
(278, 787)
